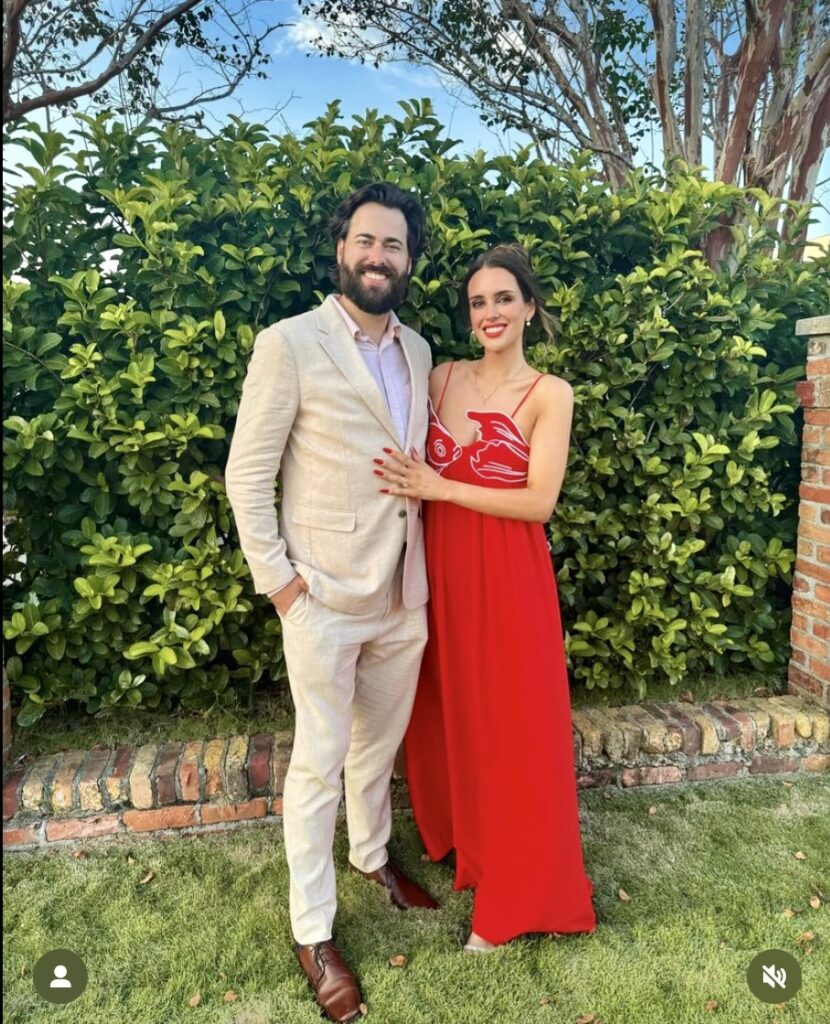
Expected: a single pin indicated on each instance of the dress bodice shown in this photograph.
(498, 457)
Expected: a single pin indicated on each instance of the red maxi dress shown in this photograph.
(489, 750)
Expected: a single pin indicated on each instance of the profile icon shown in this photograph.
(60, 976)
(60, 980)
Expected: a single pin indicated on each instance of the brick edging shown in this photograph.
(209, 785)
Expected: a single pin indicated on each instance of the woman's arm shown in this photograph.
(546, 471)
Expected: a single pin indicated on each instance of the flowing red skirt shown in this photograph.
(489, 749)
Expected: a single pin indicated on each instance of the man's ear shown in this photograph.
(338, 250)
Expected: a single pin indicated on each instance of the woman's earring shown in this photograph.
(527, 323)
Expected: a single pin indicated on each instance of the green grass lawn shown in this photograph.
(69, 726)
(709, 873)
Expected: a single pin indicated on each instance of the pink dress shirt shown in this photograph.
(387, 364)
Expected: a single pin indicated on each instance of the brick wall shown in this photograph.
(809, 670)
(161, 788)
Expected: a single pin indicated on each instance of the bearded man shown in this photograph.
(342, 564)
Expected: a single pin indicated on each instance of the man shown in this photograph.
(325, 392)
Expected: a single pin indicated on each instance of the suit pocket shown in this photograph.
(341, 521)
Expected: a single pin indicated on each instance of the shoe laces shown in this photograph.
(322, 955)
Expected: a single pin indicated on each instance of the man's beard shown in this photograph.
(371, 299)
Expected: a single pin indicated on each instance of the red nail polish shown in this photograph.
(378, 462)
(388, 451)
(384, 490)
(377, 472)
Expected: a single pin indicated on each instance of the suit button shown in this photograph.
(402, 513)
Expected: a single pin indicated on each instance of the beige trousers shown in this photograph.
(353, 681)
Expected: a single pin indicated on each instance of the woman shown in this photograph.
(489, 751)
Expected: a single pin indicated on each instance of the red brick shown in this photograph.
(212, 758)
(10, 787)
(820, 669)
(782, 726)
(259, 763)
(674, 734)
(819, 494)
(116, 781)
(812, 644)
(801, 584)
(141, 777)
(714, 770)
(62, 790)
(689, 730)
(280, 759)
(727, 728)
(89, 791)
(812, 531)
(798, 678)
(656, 776)
(599, 777)
(34, 792)
(20, 836)
(817, 762)
(168, 817)
(213, 813)
(164, 775)
(746, 723)
(236, 779)
(190, 784)
(768, 764)
(82, 828)
(812, 570)
(276, 805)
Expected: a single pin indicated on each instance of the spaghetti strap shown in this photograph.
(526, 394)
(444, 389)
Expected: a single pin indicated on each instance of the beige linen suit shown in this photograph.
(312, 413)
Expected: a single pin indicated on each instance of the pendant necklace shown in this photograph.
(486, 398)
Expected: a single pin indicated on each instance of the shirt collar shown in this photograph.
(393, 325)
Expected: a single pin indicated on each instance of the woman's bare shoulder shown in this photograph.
(553, 399)
(555, 387)
(438, 378)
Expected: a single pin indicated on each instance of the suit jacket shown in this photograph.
(312, 413)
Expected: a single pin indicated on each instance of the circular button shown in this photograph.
(402, 513)
(774, 976)
(59, 976)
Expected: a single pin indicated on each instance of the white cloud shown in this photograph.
(308, 34)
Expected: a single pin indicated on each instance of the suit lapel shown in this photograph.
(342, 349)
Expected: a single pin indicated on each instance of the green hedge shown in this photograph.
(673, 539)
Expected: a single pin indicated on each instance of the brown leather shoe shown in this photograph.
(334, 986)
(405, 893)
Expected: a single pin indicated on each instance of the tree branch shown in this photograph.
(14, 111)
(12, 13)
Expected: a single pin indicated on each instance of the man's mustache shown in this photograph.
(363, 268)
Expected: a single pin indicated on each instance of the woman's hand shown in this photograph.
(408, 476)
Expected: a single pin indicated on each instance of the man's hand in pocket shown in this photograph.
(283, 599)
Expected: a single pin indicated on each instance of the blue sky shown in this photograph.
(306, 84)
(300, 87)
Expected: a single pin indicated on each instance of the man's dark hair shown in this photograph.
(386, 194)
